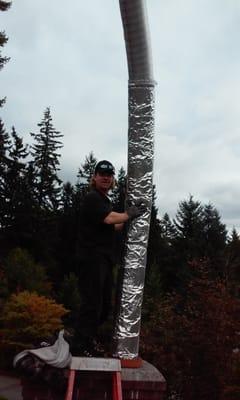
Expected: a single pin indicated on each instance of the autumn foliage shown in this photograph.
(193, 338)
(28, 317)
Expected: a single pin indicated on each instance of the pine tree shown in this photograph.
(4, 5)
(14, 183)
(155, 234)
(200, 234)
(155, 251)
(68, 226)
(5, 145)
(67, 198)
(119, 192)
(164, 274)
(232, 260)
(189, 227)
(234, 236)
(29, 210)
(46, 162)
(118, 201)
(215, 231)
(85, 173)
(186, 243)
(86, 170)
(167, 228)
(215, 236)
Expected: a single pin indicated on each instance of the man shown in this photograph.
(98, 224)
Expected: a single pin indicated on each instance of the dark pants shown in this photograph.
(95, 279)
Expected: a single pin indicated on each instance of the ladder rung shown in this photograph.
(95, 364)
(109, 365)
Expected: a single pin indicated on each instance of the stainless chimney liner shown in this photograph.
(140, 175)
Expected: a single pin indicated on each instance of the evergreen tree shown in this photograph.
(167, 228)
(17, 195)
(69, 296)
(155, 235)
(29, 216)
(119, 191)
(4, 5)
(215, 236)
(214, 230)
(189, 226)
(186, 243)
(14, 186)
(163, 273)
(67, 198)
(68, 230)
(155, 251)
(30, 184)
(118, 201)
(85, 173)
(199, 233)
(87, 169)
(234, 236)
(232, 260)
(5, 145)
(46, 163)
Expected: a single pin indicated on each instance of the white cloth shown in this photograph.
(57, 355)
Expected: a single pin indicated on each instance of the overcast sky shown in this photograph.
(71, 57)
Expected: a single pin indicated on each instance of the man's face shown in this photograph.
(103, 181)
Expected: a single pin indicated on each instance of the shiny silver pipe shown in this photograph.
(140, 173)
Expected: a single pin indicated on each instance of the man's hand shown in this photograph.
(134, 211)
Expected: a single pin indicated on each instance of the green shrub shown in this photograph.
(23, 273)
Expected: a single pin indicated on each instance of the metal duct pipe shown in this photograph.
(136, 34)
(140, 171)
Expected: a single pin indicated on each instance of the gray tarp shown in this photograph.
(57, 355)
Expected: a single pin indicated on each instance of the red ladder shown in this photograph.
(108, 365)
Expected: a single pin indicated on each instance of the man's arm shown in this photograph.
(116, 218)
(131, 212)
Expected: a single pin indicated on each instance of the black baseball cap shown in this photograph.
(105, 166)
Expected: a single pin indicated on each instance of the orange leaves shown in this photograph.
(28, 317)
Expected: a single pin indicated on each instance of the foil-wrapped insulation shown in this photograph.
(140, 171)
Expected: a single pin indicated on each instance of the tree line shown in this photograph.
(40, 213)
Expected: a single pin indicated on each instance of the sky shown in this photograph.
(71, 57)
